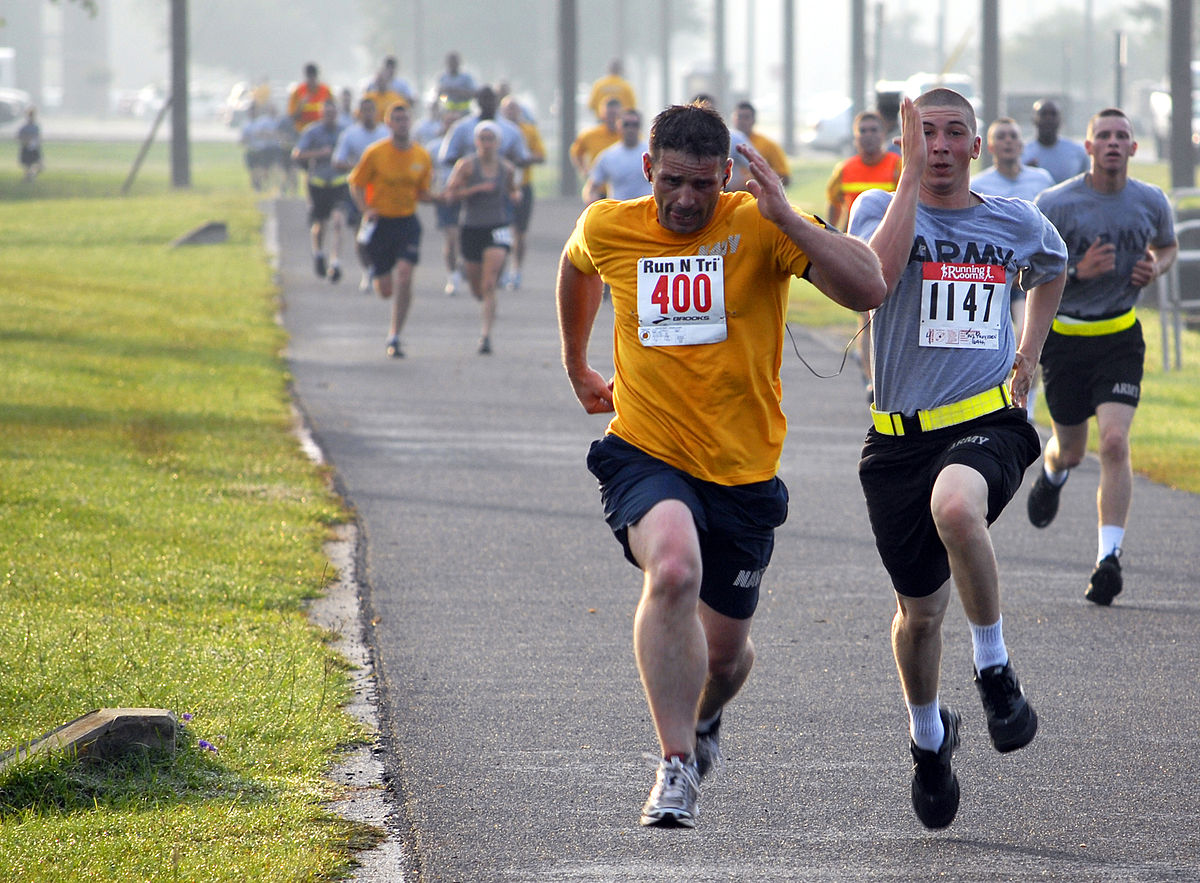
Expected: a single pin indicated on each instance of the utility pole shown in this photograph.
(1183, 154)
(720, 84)
(664, 52)
(990, 64)
(568, 75)
(789, 76)
(858, 54)
(181, 166)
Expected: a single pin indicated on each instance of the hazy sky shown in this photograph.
(824, 47)
(823, 41)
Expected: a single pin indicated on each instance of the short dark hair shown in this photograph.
(746, 105)
(689, 128)
(1107, 112)
(864, 115)
(942, 97)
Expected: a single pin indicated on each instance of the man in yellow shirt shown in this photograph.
(590, 142)
(612, 85)
(744, 118)
(687, 470)
(391, 177)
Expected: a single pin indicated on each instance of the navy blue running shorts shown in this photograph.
(897, 475)
(736, 524)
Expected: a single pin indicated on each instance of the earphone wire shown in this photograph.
(845, 352)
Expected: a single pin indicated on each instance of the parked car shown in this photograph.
(963, 84)
(13, 104)
(1160, 115)
(829, 125)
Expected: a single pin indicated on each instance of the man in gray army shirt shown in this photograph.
(950, 441)
(1121, 236)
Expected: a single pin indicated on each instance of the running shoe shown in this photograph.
(1105, 583)
(673, 799)
(708, 750)
(1043, 500)
(934, 785)
(335, 273)
(513, 283)
(453, 283)
(485, 346)
(1012, 722)
(319, 265)
(393, 348)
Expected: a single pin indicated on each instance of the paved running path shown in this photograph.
(500, 615)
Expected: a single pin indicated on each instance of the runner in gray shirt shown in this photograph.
(621, 169)
(947, 448)
(1121, 236)
(1061, 157)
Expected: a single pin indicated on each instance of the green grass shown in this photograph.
(163, 532)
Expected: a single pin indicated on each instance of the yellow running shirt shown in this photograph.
(394, 179)
(710, 409)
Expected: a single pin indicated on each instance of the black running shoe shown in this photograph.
(708, 750)
(319, 265)
(934, 785)
(335, 273)
(1043, 500)
(1012, 722)
(393, 348)
(1105, 583)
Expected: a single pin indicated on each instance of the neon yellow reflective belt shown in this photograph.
(986, 402)
(1094, 328)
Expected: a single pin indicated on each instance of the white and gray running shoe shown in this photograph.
(673, 799)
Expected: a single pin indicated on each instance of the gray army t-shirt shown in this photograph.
(946, 334)
(1134, 218)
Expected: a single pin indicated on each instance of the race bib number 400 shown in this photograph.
(962, 305)
(681, 300)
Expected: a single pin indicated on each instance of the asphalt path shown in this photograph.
(499, 610)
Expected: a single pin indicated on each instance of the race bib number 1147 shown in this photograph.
(962, 305)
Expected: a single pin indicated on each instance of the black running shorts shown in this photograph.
(897, 475)
(323, 200)
(473, 241)
(1081, 372)
(394, 239)
(736, 524)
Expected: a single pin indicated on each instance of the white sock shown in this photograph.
(988, 643)
(1055, 478)
(1111, 536)
(706, 725)
(925, 726)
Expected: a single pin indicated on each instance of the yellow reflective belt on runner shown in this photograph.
(988, 401)
(1094, 328)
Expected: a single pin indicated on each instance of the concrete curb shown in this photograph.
(360, 775)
